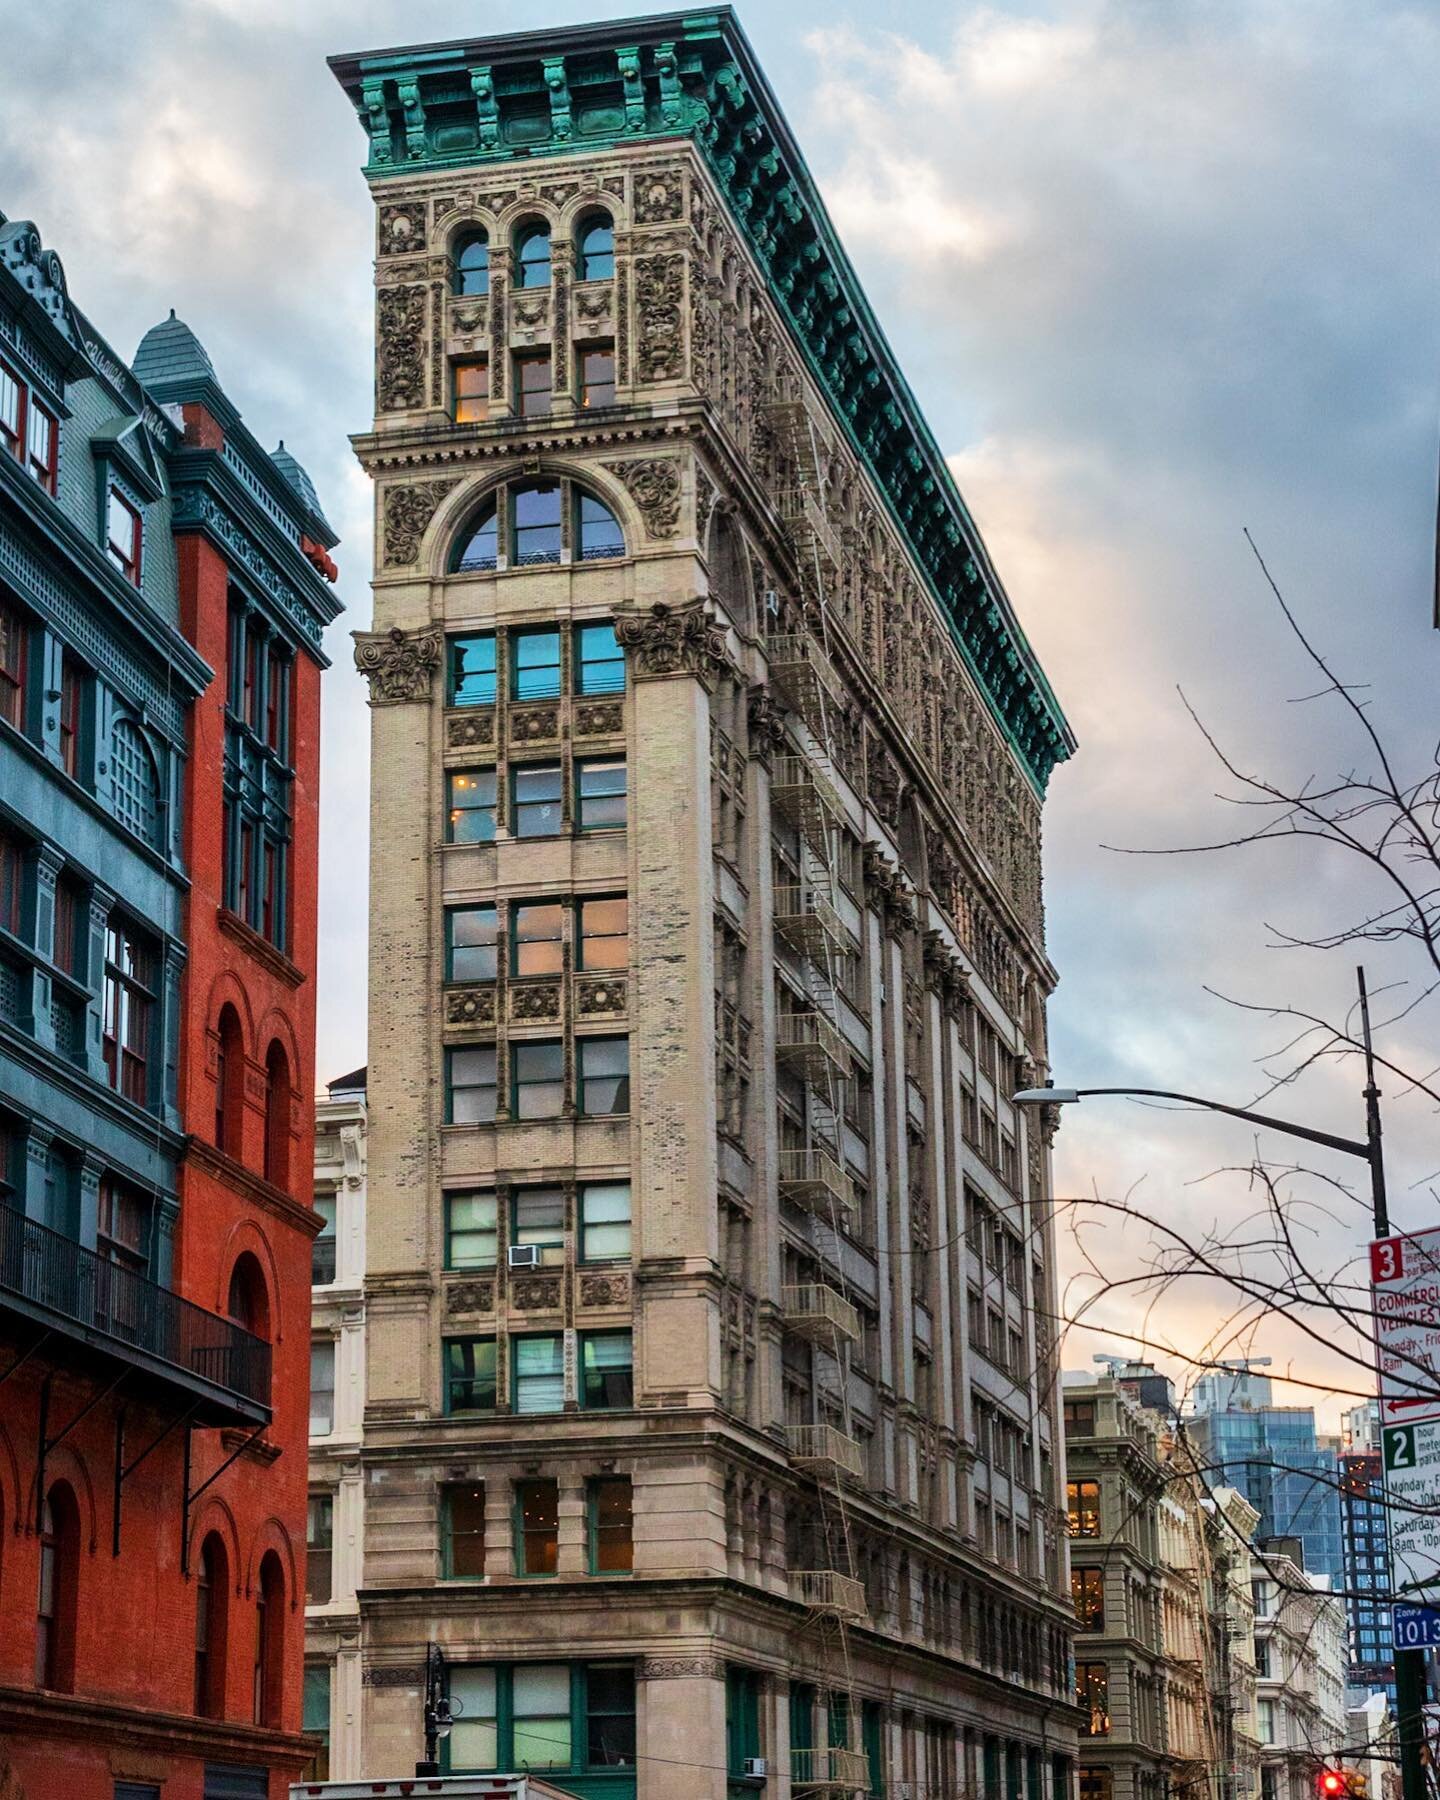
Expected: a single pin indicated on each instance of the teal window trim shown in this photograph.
(535, 1337)
(599, 661)
(542, 679)
(466, 1412)
(604, 796)
(447, 1531)
(1014, 1782)
(586, 1225)
(456, 677)
(872, 1733)
(449, 1199)
(742, 1718)
(517, 944)
(592, 1527)
(580, 1717)
(517, 1086)
(517, 1194)
(451, 914)
(802, 1716)
(451, 1050)
(517, 1528)
(586, 1339)
(991, 1762)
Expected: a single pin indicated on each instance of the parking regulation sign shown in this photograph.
(1415, 1627)
(1412, 1496)
(1405, 1285)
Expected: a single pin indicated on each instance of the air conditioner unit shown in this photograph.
(524, 1256)
(772, 603)
(756, 1768)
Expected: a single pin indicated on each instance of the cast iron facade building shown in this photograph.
(710, 1423)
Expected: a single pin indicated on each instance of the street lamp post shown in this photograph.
(1409, 1664)
(438, 1716)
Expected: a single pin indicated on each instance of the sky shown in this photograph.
(1157, 273)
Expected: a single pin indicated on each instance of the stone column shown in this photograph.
(681, 1727)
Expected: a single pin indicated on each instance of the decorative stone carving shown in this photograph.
(532, 310)
(469, 318)
(659, 285)
(704, 504)
(400, 349)
(599, 995)
(536, 1293)
(681, 1668)
(470, 1297)
(604, 1290)
(470, 729)
(672, 640)
(599, 720)
(593, 302)
(658, 198)
(407, 511)
(394, 1675)
(654, 485)
(470, 1006)
(399, 664)
(533, 724)
(622, 325)
(537, 1000)
(402, 228)
(766, 720)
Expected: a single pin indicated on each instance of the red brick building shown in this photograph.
(155, 1219)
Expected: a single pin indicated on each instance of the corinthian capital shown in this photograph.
(399, 664)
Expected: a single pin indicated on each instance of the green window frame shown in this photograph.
(537, 1078)
(537, 1218)
(472, 1229)
(599, 660)
(470, 1372)
(1034, 1776)
(598, 537)
(537, 1373)
(536, 1526)
(537, 937)
(610, 1525)
(536, 808)
(462, 1530)
(470, 806)
(319, 1547)
(472, 669)
(472, 936)
(991, 1763)
(603, 937)
(602, 1075)
(872, 1736)
(596, 368)
(535, 664)
(533, 393)
(1014, 1773)
(601, 793)
(802, 1716)
(605, 1221)
(314, 1720)
(470, 1084)
(742, 1717)
(607, 1371)
(502, 1717)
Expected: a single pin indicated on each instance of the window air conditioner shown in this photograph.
(756, 1767)
(524, 1256)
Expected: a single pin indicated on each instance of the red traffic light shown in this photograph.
(1331, 1784)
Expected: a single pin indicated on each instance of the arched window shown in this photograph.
(277, 1116)
(597, 530)
(595, 248)
(471, 264)
(535, 524)
(479, 545)
(135, 783)
(212, 1604)
(728, 573)
(229, 1083)
(532, 255)
(56, 1606)
(269, 1641)
(248, 1303)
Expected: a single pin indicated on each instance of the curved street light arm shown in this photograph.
(1351, 1146)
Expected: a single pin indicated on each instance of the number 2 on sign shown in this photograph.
(1385, 1260)
(1400, 1447)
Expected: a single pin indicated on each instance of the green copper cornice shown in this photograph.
(694, 75)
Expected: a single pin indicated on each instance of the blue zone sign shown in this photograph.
(1415, 1627)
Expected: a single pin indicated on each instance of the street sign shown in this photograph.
(1415, 1627)
(1405, 1285)
(1412, 1495)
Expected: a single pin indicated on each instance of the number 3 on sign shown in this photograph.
(1400, 1447)
(1385, 1260)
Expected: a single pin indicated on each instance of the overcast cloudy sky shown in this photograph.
(1158, 272)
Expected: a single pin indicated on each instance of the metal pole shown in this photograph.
(431, 1763)
(1409, 1664)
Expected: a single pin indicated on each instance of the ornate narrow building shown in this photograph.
(711, 1423)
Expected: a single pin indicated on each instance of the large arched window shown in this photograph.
(470, 267)
(532, 255)
(479, 545)
(57, 1602)
(229, 1082)
(277, 1116)
(269, 1641)
(595, 248)
(535, 524)
(135, 784)
(597, 530)
(212, 1603)
(248, 1302)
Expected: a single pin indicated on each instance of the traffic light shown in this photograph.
(1330, 1784)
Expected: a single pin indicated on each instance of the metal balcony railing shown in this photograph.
(804, 674)
(803, 793)
(73, 1291)
(828, 1591)
(831, 1767)
(814, 1179)
(825, 1450)
(810, 1044)
(808, 923)
(819, 1314)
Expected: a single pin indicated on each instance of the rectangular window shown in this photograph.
(607, 1370)
(537, 929)
(475, 1735)
(1087, 1591)
(314, 1720)
(612, 1531)
(599, 660)
(1083, 1503)
(14, 645)
(537, 1079)
(72, 690)
(538, 1373)
(462, 1529)
(128, 1005)
(122, 535)
(597, 375)
(541, 1708)
(535, 800)
(322, 1387)
(1079, 1418)
(470, 1085)
(600, 785)
(535, 665)
(258, 782)
(472, 391)
(470, 1375)
(471, 1230)
(1092, 1695)
(610, 1717)
(605, 934)
(70, 908)
(11, 394)
(604, 1078)
(322, 1246)
(277, 702)
(41, 441)
(123, 1227)
(472, 807)
(472, 669)
(604, 1220)
(537, 1218)
(12, 883)
(532, 384)
(471, 942)
(537, 1527)
(319, 1549)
